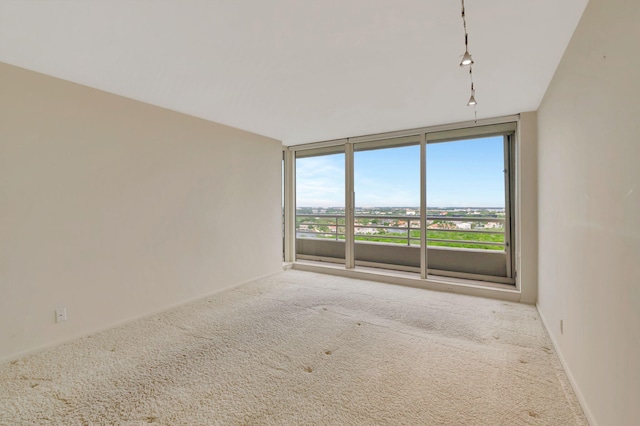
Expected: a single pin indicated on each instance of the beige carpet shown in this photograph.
(303, 348)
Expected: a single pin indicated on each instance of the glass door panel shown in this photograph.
(320, 205)
(387, 204)
(468, 228)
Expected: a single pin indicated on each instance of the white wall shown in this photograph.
(589, 211)
(117, 209)
(527, 201)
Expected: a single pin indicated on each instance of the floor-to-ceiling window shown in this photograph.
(387, 203)
(436, 203)
(468, 226)
(320, 204)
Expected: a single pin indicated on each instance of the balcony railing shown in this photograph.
(405, 230)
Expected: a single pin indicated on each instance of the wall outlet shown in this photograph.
(61, 314)
(561, 326)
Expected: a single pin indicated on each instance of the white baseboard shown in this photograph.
(565, 366)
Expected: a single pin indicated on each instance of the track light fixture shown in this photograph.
(467, 61)
(466, 58)
(472, 99)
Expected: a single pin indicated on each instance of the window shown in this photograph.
(387, 204)
(320, 205)
(434, 203)
(468, 228)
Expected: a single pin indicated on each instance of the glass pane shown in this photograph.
(387, 207)
(466, 204)
(320, 208)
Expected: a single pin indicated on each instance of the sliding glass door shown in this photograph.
(430, 203)
(320, 205)
(468, 226)
(387, 204)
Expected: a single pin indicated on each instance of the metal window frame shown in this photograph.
(508, 130)
(505, 126)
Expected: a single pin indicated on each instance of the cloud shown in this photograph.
(320, 181)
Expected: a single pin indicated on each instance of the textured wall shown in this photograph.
(589, 210)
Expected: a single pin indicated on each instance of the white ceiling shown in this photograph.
(299, 70)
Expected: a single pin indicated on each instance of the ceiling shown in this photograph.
(299, 70)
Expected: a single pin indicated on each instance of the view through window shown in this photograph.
(467, 214)
(320, 206)
(466, 194)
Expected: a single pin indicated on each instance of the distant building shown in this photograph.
(366, 231)
(441, 225)
(464, 225)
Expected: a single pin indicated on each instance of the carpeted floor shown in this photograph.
(303, 348)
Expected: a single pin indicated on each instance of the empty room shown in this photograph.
(340, 212)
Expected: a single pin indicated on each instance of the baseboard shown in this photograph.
(41, 348)
(567, 370)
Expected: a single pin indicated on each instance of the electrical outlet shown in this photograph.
(61, 314)
(561, 326)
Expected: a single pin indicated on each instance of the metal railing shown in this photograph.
(332, 226)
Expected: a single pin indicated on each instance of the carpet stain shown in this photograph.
(547, 350)
(64, 400)
(42, 379)
(308, 369)
(534, 414)
(150, 419)
(522, 361)
(327, 352)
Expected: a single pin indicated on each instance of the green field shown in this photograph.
(461, 238)
(415, 235)
(443, 235)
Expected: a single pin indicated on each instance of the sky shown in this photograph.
(466, 173)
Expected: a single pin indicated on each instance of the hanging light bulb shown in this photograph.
(466, 59)
(472, 99)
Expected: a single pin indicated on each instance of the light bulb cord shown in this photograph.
(464, 25)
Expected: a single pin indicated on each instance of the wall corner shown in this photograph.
(527, 207)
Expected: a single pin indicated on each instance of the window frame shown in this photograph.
(505, 126)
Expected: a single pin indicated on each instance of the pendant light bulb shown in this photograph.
(466, 59)
(472, 99)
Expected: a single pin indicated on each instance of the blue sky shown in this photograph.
(459, 174)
